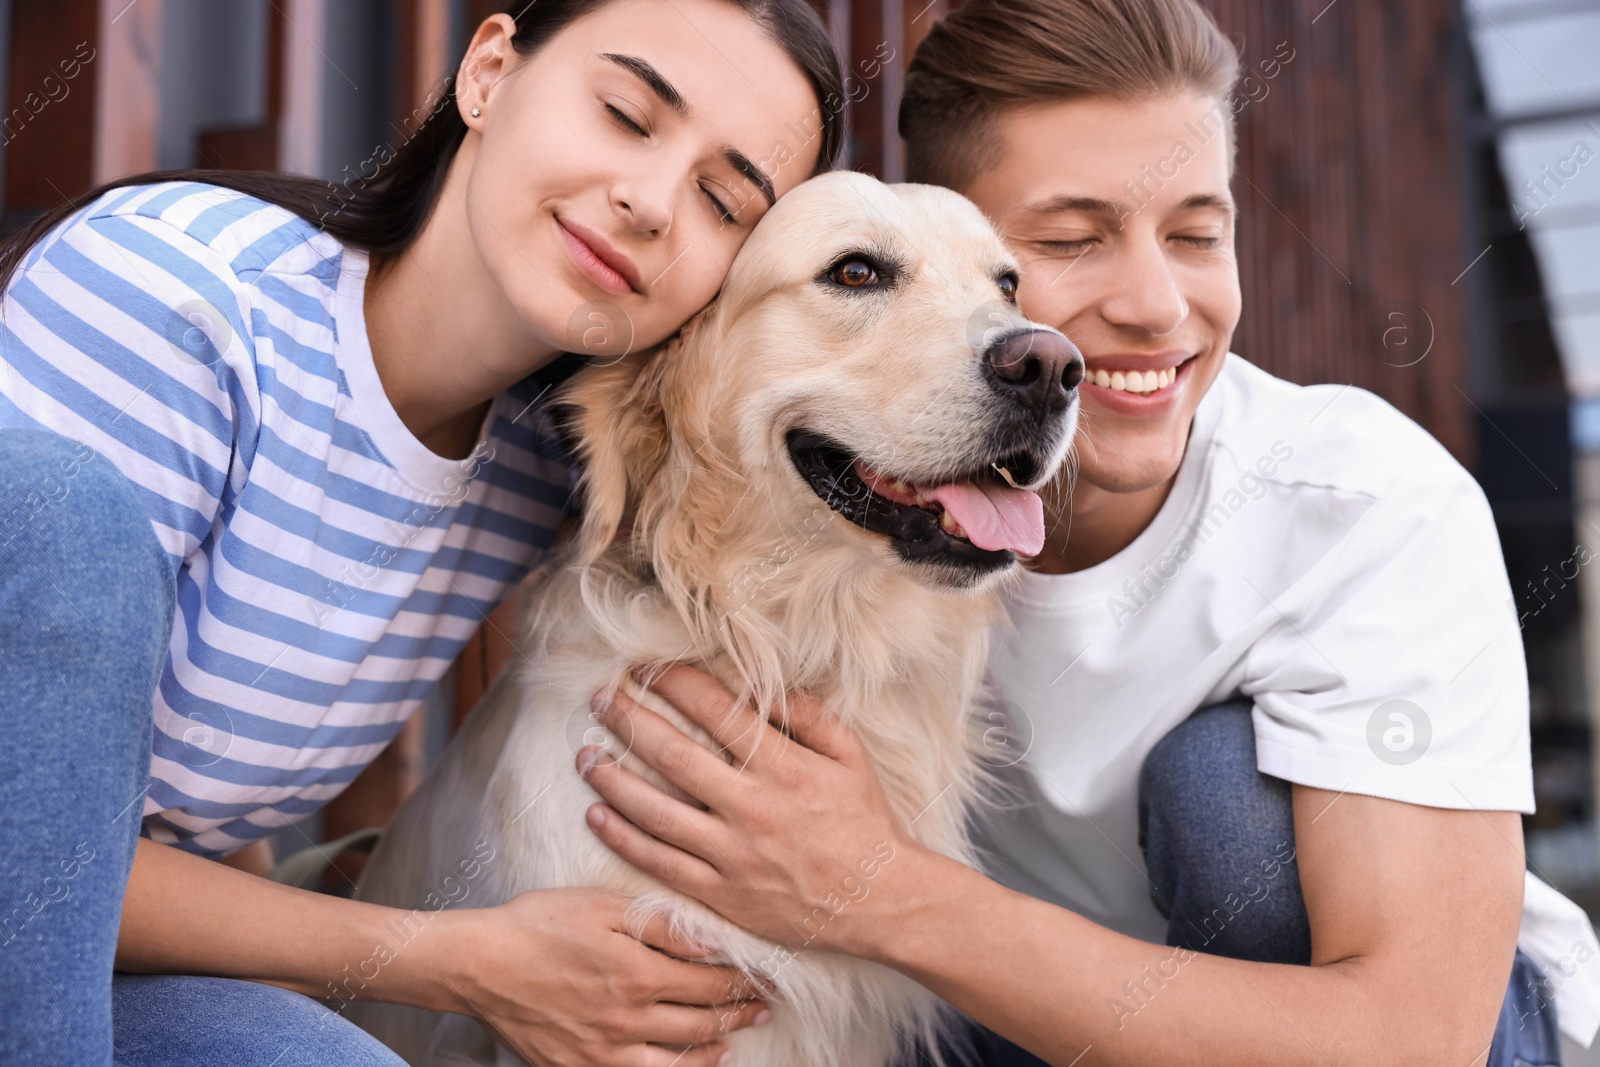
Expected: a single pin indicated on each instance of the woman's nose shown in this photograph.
(647, 209)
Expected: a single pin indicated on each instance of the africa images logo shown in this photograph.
(1399, 732)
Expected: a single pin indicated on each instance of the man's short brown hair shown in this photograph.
(991, 55)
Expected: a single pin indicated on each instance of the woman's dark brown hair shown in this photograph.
(385, 214)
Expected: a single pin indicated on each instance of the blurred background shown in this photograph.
(1419, 186)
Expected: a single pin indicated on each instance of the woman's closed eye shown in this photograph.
(628, 123)
(717, 206)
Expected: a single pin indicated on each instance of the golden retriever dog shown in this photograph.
(815, 484)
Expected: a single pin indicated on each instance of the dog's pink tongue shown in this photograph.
(994, 516)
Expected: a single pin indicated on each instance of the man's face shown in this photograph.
(1121, 217)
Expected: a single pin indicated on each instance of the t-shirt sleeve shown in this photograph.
(1396, 669)
(127, 334)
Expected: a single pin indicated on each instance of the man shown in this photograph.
(1323, 863)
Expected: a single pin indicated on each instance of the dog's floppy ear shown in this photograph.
(612, 414)
(614, 418)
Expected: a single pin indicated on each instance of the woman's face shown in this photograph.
(1122, 220)
(612, 175)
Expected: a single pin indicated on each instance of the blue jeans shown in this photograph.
(1211, 826)
(86, 611)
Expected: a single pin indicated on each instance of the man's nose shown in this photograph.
(1039, 368)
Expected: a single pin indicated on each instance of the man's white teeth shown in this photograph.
(1135, 381)
(949, 525)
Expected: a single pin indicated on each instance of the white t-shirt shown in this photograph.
(1320, 554)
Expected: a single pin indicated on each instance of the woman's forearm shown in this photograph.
(186, 915)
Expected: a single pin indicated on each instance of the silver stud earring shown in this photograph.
(476, 112)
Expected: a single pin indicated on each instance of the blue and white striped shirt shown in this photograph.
(329, 566)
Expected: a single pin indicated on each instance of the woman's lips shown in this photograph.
(591, 265)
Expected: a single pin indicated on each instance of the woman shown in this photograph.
(269, 490)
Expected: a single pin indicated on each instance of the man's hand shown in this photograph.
(793, 832)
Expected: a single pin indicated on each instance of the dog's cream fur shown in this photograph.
(733, 564)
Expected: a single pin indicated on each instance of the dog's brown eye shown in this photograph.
(854, 274)
(1008, 287)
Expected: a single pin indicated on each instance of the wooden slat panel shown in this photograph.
(253, 147)
(127, 124)
(920, 15)
(423, 61)
(478, 10)
(305, 73)
(48, 126)
(1350, 193)
(867, 129)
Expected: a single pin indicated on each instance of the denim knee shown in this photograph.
(1527, 1034)
(1218, 841)
(86, 609)
(85, 582)
(190, 1021)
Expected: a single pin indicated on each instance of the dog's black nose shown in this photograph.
(1039, 367)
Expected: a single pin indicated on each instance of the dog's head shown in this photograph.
(863, 386)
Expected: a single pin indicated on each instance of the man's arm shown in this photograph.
(1414, 914)
(1414, 911)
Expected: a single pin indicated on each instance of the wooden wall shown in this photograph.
(1351, 195)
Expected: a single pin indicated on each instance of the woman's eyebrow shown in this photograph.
(741, 163)
(646, 72)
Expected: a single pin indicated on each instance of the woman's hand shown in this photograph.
(556, 977)
(795, 831)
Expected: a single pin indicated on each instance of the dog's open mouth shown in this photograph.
(979, 522)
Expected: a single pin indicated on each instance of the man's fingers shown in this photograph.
(705, 701)
(679, 758)
(663, 862)
(641, 803)
(815, 728)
